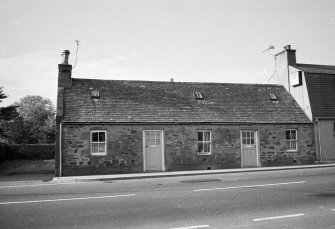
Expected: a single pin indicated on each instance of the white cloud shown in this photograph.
(29, 74)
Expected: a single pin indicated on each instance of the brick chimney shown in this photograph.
(283, 61)
(64, 71)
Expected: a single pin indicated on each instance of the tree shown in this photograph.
(35, 123)
(7, 114)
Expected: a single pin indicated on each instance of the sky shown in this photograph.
(187, 40)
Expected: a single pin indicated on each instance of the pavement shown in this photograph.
(181, 173)
(33, 179)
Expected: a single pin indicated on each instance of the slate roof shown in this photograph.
(173, 102)
(321, 93)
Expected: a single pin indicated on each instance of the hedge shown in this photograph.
(27, 151)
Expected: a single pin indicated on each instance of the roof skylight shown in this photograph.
(197, 95)
(95, 94)
(272, 97)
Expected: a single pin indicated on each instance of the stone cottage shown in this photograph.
(112, 126)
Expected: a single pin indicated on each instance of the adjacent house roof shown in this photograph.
(177, 102)
(314, 68)
(321, 92)
(320, 82)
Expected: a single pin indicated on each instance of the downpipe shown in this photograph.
(319, 140)
(60, 150)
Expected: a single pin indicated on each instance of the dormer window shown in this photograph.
(272, 97)
(95, 94)
(197, 95)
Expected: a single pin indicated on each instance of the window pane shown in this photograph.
(207, 147)
(101, 147)
(244, 135)
(252, 141)
(152, 139)
(158, 138)
(288, 135)
(95, 136)
(101, 136)
(95, 148)
(200, 136)
(200, 147)
(147, 138)
(252, 135)
(244, 141)
(294, 145)
(293, 134)
(207, 136)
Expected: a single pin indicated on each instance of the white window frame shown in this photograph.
(98, 142)
(291, 141)
(203, 142)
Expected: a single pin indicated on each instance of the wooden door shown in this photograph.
(153, 150)
(249, 148)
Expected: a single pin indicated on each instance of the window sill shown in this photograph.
(203, 154)
(98, 154)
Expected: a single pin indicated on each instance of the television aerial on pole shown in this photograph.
(75, 63)
(268, 49)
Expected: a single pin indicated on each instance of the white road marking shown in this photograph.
(248, 186)
(32, 185)
(192, 227)
(55, 200)
(278, 217)
(333, 209)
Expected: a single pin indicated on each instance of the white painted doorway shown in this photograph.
(249, 148)
(153, 152)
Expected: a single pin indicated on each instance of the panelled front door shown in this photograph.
(249, 148)
(153, 150)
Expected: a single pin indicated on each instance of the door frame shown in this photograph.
(162, 143)
(256, 143)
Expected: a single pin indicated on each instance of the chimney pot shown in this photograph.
(171, 80)
(287, 47)
(65, 57)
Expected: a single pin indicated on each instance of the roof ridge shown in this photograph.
(315, 65)
(178, 82)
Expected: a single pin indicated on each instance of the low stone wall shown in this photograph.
(27, 151)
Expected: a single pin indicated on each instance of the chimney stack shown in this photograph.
(285, 60)
(64, 82)
(65, 70)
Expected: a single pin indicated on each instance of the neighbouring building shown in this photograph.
(113, 126)
(313, 87)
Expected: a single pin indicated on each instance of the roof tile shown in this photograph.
(321, 92)
(152, 101)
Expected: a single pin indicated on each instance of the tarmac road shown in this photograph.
(303, 198)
